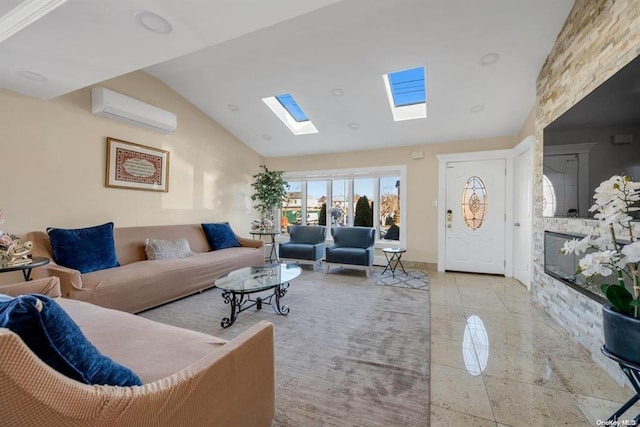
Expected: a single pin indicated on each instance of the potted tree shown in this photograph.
(270, 191)
(615, 201)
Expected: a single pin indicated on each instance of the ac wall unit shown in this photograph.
(107, 103)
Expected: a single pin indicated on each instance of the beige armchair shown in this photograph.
(226, 384)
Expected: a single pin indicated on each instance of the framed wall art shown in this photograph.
(136, 166)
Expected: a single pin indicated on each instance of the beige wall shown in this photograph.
(529, 126)
(53, 156)
(422, 182)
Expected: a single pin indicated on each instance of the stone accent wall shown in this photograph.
(598, 38)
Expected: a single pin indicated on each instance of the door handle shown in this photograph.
(516, 224)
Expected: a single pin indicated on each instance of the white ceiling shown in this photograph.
(235, 52)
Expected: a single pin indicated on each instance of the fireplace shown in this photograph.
(563, 267)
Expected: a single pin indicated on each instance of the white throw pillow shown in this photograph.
(167, 249)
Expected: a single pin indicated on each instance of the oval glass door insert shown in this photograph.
(474, 203)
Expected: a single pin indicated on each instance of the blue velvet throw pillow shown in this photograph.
(57, 340)
(220, 235)
(84, 249)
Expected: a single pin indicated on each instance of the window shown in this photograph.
(363, 202)
(292, 107)
(389, 207)
(337, 199)
(407, 87)
(316, 200)
(407, 93)
(474, 203)
(339, 203)
(289, 112)
(291, 209)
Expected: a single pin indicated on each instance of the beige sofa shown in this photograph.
(189, 378)
(139, 284)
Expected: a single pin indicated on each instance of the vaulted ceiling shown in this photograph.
(224, 56)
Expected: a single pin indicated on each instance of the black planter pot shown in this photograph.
(621, 334)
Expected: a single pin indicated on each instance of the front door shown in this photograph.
(475, 216)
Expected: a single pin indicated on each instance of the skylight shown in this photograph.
(292, 107)
(407, 93)
(289, 112)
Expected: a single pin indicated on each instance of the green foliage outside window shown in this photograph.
(322, 216)
(364, 213)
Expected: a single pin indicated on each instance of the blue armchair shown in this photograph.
(306, 244)
(352, 247)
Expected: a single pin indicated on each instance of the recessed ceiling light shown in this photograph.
(32, 76)
(266, 137)
(233, 108)
(489, 59)
(477, 108)
(354, 126)
(152, 22)
(337, 92)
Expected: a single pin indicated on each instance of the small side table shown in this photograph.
(273, 254)
(36, 261)
(633, 374)
(394, 256)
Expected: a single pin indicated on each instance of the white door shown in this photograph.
(475, 216)
(522, 216)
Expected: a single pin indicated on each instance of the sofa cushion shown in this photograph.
(58, 341)
(220, 235)
(151, 349)
(301, 251)
(84, 249)
(167, 249)
(352, 256)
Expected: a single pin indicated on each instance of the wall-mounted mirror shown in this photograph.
(596, 138)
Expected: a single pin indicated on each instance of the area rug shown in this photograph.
(414, 279)
(348, 354)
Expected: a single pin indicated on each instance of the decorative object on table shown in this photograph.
(25, 267)
(264, 224)
(615, 201)
(13, 251)
(337, 216)
(136, 166)
(270, 191)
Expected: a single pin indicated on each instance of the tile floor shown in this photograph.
(529, 372)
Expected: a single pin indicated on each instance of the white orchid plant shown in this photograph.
(615, 201)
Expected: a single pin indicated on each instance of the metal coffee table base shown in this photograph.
(241, 301)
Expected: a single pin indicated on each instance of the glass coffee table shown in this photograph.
(238, 286)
